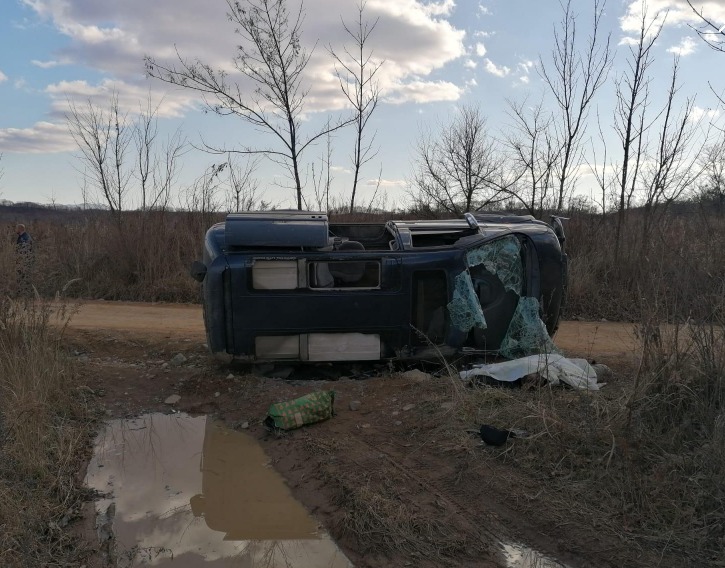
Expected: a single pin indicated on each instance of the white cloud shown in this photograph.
(54, 137)
(686, 46)
(469, 64)
(443, 8)
(413, 37)
(677, 12)
(423, 92)
(399, 183)
(130, 97)
(699, 114)
(480, 49)
(3, 77)
(42, 138)
(524, 68)
(499, 71)
(483, 10)
(95, 35)
(626, 40)
(527, 65)
(481, 33)
(50, 64)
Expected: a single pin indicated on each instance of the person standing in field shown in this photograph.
(23, 260)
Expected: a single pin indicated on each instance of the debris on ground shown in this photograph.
(553, 368)
(602, 370)
(178, 360)
(416, 375)
(308, 409)
(173, 399)
(355, 405)
(493, 436)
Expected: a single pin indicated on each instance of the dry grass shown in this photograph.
(44, 432)
(680, 266)
(643, 459)
(147, 258)
(676, 420)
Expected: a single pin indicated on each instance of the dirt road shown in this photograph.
(606, 341)
(145, 319)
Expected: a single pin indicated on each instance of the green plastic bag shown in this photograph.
(308, 409)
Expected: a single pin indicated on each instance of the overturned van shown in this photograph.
(291, 286)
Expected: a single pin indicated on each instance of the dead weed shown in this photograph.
(44, 431)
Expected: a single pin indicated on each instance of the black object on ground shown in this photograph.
(494, 436)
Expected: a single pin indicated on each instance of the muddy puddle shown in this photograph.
(185, 491)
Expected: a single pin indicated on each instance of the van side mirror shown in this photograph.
(198, 270)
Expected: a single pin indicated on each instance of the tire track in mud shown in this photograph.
(486, 524)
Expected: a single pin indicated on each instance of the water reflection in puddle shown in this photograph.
(185, 491)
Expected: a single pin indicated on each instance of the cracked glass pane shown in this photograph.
(464, 309)
(526, 334)
(501, 257)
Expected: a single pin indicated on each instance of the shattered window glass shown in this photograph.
(501, 257)
(526, 334)
(464, 309)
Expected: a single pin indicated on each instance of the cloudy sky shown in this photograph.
(437, 55)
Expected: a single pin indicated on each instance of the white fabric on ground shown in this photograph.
(556, 369)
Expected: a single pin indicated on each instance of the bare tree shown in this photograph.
(632, 95)
(711, 184)
(535, 153)
(599, 170)
(243, 187)
(125, 164)
(461, 170)
(357, 80)
(378, 200)
(202, 198)
(712, 33)
(573, 79)
(271, 57)
(671, 169)
(157, 162)
(105, 138)
(322, 177)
